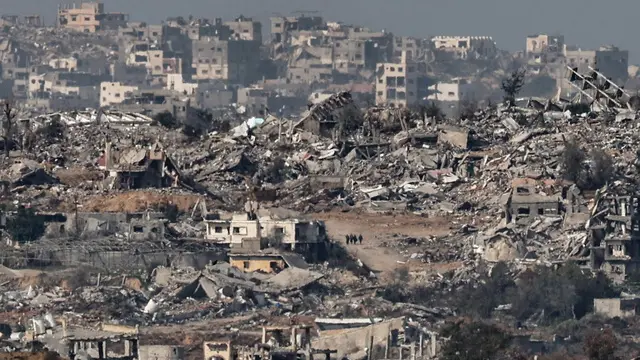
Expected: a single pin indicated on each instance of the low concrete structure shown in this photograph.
(289, 232)
(524, 203)
(617, 307)
(160, 352)
(267, 262)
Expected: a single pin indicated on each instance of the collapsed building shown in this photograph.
(135, 168)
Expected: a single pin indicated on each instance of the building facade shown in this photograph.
(242, 226)
(397, 84)
(463, 47)
(235, 61)
(244, 28)
(112, 93)
(539, 43)
(89, 17)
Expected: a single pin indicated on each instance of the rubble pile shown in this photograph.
(174, 295)
(395, 160)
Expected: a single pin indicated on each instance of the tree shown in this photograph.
(601, 345)
(544, 292)
(467, 109)
(26, 225)
(473, 341)
(559, 295)
(171, 212)
(9, 116)
(587, 287)
(51, 132)
(512, 85)
(191, 132)
(602, 169)
(573, 158)
(167, 120)
(481, 299)
(433, 111)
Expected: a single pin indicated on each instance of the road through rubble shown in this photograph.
(377, 229)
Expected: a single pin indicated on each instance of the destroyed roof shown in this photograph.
(85, 334)
(294, 278)
(72, 118)
(533, 199)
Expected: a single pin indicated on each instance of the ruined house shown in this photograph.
(136, 168)
(524, 203)
(322, 117)
(294, 233)
(277, 343)
(614, 236)
(266, 262)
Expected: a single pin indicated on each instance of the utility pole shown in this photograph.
(75, 207)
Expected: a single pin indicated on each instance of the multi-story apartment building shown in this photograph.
(454, 91)
(112, 93)
(397, 83)
(202, 29)
(283, 26)
(244, 28)
(89, 17)
(609, 60)
(235, 61)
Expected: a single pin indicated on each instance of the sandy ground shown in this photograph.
(137, 201)
(377, 229)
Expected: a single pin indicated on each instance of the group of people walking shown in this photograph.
(353, 239)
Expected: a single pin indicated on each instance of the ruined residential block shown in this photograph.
(614, 234)
(525, 203)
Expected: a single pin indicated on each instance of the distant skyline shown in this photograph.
(507, 21)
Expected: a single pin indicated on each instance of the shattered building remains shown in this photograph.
(236, 231)
(138, 168)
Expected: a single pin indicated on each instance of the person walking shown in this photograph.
(360, 239)
(348, 238)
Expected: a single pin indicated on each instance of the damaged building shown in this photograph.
(136, 168)
(614, 233)
(243, 227)
(525, 203)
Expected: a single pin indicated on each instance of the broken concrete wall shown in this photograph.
(615, 307)
(351, 339)
(118, 260)
(160, 352)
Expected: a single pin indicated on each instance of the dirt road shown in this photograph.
(377, 229)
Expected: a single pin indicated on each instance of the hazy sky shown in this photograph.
(507, 21)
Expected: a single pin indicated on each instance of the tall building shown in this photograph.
(235, 61)
(609, 60)
(397, 83)
(282, 26)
